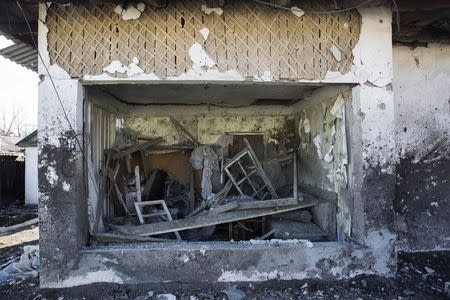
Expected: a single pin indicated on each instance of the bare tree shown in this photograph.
(12, 123)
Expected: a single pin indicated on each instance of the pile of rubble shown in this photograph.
(193, 192)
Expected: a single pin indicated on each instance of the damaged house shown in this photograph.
(236, 140)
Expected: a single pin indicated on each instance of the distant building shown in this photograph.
(11, 170)
(31, 167)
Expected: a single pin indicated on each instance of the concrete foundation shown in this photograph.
(220, 262)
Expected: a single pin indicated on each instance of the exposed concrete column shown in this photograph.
(372, 131)
(62, 204)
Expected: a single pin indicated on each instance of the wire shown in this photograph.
(58, 96)
(312, 11)
(397, 15)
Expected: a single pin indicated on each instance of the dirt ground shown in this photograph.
(420, 276)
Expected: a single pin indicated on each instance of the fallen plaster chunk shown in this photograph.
(297, 11)
(131, 12)
(336, 53)
(208, 10)
(204, 32)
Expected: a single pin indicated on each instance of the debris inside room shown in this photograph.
(159, 181)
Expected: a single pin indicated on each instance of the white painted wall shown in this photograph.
(422, 94)
(422, 124)
(31, 176)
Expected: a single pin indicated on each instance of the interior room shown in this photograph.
(210, 162)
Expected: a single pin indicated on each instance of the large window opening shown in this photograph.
(203, 162)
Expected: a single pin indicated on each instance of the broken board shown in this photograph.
(207, 220)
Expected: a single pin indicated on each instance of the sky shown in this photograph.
(18, 92)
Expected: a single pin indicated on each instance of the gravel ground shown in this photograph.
(424, 275)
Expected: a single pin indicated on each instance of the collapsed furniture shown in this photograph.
(150, 203)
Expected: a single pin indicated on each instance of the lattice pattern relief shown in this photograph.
(248, 37)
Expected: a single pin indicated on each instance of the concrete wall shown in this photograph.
(207, 129)
(63, 210)
(323, 149)
(367, 204)
(31, 175)
(422, 123)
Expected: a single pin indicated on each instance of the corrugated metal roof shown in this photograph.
(21, 54)
(28, 141)
(8, 146)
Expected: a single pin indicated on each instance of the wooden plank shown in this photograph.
(138, 206)
(216, 200)
(295, 180)
(184, 131)
(267, 203)
(207, 220)
(120, 197)
(149, 183)
(136, 148)
(8, 229)
(128, 163)
(191, 191)
(99, 213)
(137, 178)
(265, 236)
(144, 168)
(226, 207)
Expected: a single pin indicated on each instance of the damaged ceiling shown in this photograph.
(222, 94)
(413, 20)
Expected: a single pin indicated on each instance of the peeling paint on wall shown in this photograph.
(131, 12)
(336, 53)
(230, 65)
(116, 67)
(89, 277)
(371, 61)
(324, 159)
(204, 32)
(209, 10)
(208, 129)
(422, 129)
